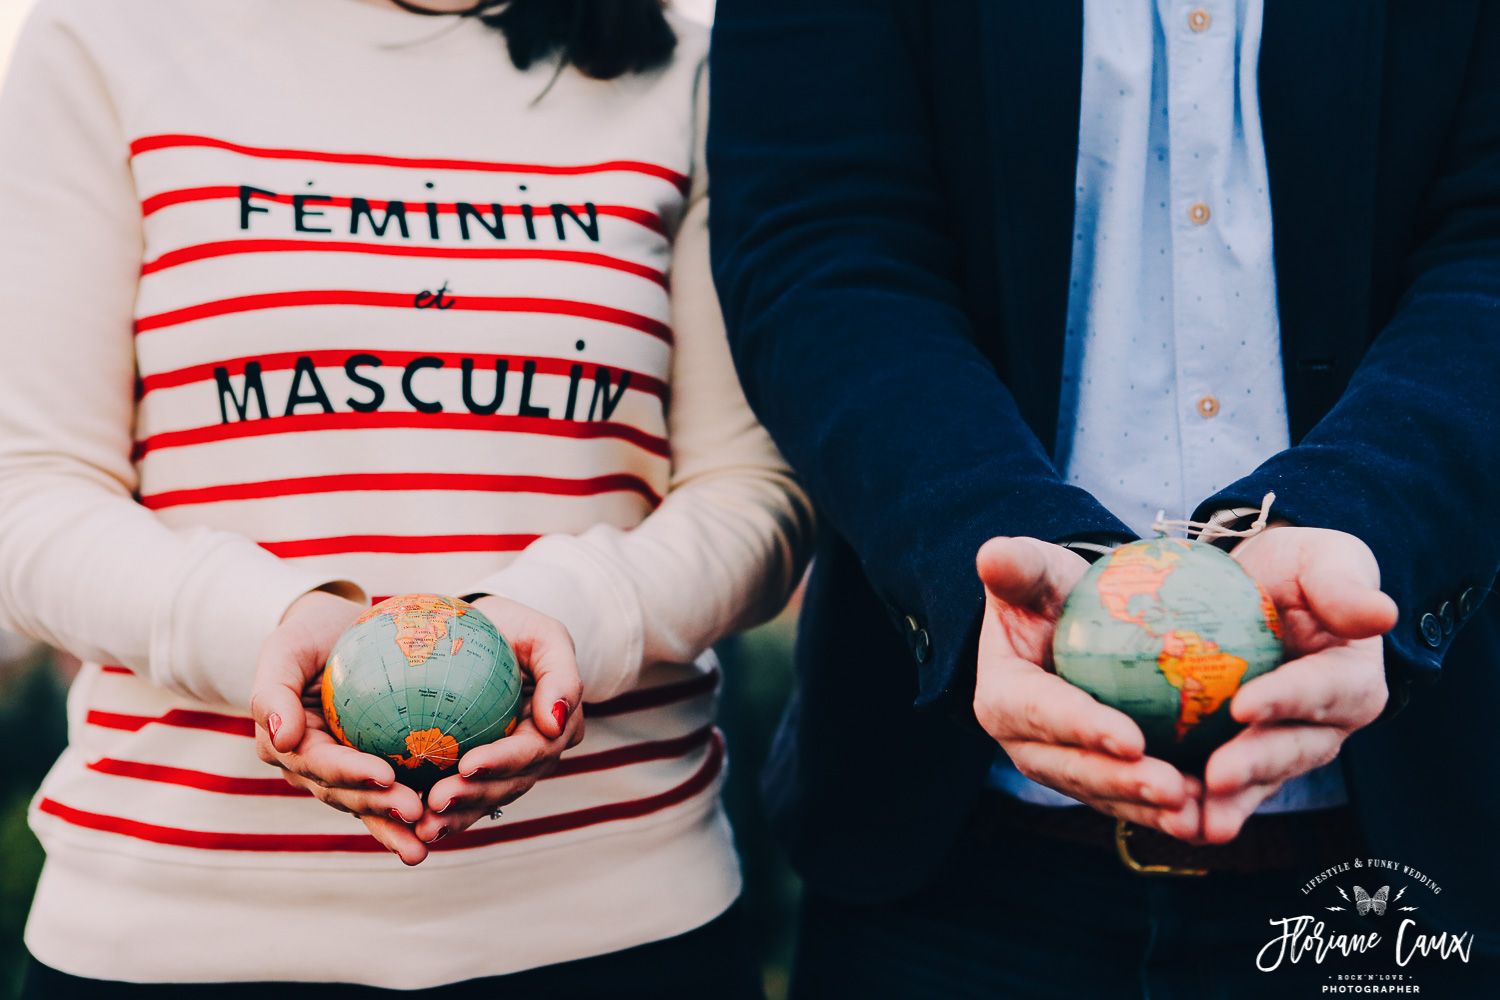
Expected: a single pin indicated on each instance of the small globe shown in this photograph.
(419, 680)
(1166, 630)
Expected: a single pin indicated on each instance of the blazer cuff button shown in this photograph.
(921, 646)
(1432, 630)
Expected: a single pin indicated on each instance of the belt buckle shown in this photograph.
(1122, 834)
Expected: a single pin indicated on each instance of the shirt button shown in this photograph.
(1468, 602)
(1198, 213)
(1199, 20)
(1208, 406)
(1447, 617)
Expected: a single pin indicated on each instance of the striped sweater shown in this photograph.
(305, 291)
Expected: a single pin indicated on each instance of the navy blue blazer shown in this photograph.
(892, 218)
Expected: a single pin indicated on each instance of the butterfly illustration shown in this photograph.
(1365, 902)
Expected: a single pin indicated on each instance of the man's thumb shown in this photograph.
(1347, 602)
(1016, 571)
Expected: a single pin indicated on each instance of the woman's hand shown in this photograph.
(498, 773)
(291, 732)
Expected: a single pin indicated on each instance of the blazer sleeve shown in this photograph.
(1409, 457)
(83, 566)
(844, 315)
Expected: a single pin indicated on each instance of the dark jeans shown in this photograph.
(713, 961)
(1014, 916)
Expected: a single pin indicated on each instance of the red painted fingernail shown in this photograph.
(372, 783)
(442, 832)
(478, 772)
(273, 723)
(560, 714)
(395, 814)
(449, 805)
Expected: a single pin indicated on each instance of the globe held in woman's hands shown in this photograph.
(419, 680)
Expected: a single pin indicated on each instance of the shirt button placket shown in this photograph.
(1191, 367)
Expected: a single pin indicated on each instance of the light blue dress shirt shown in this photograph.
(1172, 385)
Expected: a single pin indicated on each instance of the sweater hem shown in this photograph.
(650, 883)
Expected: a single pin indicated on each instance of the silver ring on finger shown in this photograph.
(495, 814)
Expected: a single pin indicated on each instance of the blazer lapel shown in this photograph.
(1033, 67)
(1320, 76)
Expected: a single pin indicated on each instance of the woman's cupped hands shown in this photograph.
(291, 733)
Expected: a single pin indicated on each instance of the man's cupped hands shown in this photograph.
(1326, 585)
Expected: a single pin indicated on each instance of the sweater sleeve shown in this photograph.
(727, 544)
(83, 566)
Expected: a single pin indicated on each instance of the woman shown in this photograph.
(311, 302)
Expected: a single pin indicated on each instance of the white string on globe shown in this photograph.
(1208, 531)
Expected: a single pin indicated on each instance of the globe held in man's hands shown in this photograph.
(1166, 630)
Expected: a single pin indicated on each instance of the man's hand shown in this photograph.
(1054, 732)
(292, 734)
(1326, 585)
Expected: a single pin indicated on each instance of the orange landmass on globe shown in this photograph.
(331, 714)
(1205, 676)
(1268, 612)
(421, 622)
(1133, 572)
(457, 645)
(429, 746)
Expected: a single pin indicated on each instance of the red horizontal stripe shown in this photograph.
(407, 544)
(523, 829)
(227, 248)
(196, 779)
(363, 843)
(605, 760)
(146, 144)
(403, 300)
(419, 421)
(378, 481)
(287, 360)
(237, 726)
(636, 753)
(417, 210)
(111, 668)
(182, 718)
(653, 697)
(205, 840)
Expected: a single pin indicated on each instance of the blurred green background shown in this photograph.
(757, 671)
(33, 684)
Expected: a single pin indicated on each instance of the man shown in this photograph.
(1027, 272)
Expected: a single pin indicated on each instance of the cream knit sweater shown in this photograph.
(298, 291)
